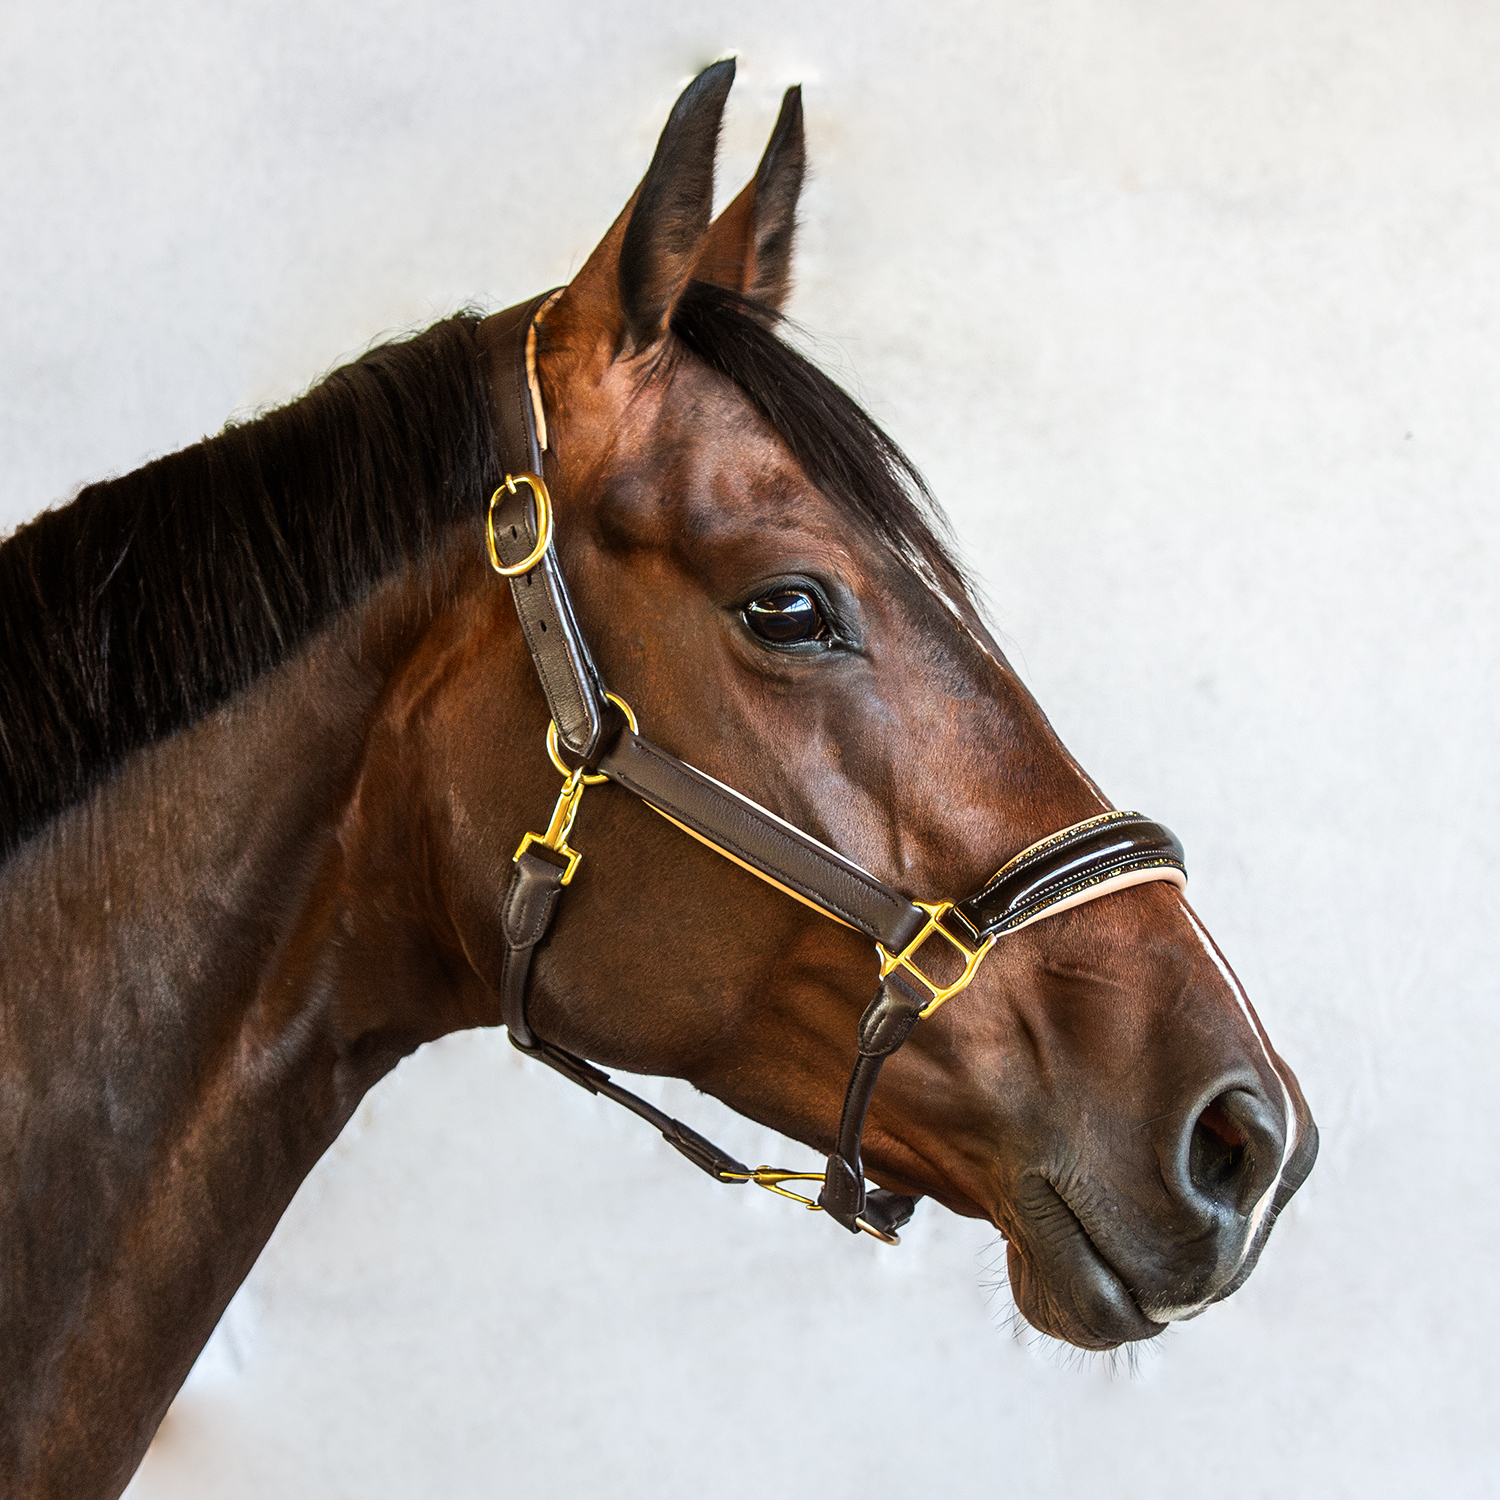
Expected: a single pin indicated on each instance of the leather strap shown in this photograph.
(561, 655)
(1079, 864)
(885, 1025)
(503, 337)
(527, 916)
(756, 838)
(719, 1164)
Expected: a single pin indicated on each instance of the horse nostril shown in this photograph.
(1217, 1150)
(1234, 1151)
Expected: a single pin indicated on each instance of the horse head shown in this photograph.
(752, 564)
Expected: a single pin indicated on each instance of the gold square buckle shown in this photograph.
(906, 959)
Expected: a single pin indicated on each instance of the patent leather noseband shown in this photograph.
(600, 732)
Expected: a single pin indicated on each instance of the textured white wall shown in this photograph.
(1190, 312)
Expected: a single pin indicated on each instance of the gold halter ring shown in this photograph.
(543, 525)
(555, 751)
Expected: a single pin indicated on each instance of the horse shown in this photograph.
(279, 758)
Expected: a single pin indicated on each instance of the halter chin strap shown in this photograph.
(928, 952)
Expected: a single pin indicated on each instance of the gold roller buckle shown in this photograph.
(906, 958)
(575, 779)
(543, 525)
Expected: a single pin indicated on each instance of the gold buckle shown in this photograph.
(543, 525)
(771, 1178)
(906, 958)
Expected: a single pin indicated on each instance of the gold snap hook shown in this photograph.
(773, 1179)
(556, 836)
(543, 525)
(575, 779)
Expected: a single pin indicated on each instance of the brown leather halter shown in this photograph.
(1065, 869)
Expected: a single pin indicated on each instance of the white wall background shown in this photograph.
(1191, 312)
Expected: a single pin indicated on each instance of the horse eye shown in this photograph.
(786, 618)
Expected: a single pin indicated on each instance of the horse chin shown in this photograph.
(1064, 1287)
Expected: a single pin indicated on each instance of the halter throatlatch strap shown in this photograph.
(530, 906)
(1102, 854)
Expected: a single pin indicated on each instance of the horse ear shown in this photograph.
(625, 293)
(748, 248)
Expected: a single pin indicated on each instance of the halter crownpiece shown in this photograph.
(1105, 853)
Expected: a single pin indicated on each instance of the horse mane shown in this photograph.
(151, 599)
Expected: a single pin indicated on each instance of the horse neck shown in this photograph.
(186, 1027)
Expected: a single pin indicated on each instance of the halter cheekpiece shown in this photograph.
(1063, 870)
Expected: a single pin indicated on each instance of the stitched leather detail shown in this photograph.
(515, 971)
(885, 1025)
(561, 656)
(758, 838)
(531, 900)
(843, 1194)
(888, 1020)
(699, 1149)
(530, 905)
(1067, 864)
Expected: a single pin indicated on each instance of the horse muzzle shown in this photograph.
(1109, 1246)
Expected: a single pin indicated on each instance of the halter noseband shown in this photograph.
(1105, 853)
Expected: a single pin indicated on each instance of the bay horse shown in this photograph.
(275, 808)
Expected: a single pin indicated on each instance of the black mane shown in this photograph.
(150, 600)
